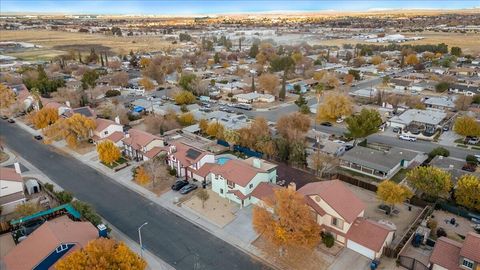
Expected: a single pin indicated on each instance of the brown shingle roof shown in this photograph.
(368, 233)
(205, 169)
(471, 247)
(47, 238)
(10, 174)
(264, 190)
(338, 196)
(446, 253)
(138, 138)
(237, 171)
(103, 124)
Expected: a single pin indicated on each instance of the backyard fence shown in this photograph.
(411, 263)
(357, 182)
(460, 211)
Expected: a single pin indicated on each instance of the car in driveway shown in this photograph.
(407, 138)
(179, 185)
(38, 137)
(11, 121)
(396, 129)
(473, 140)
(4, 117)
(188, 188)
(326, 124)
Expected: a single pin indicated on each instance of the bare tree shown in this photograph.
(322, 163)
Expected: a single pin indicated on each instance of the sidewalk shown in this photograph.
(167, 200)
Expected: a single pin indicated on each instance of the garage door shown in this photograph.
(361, 249)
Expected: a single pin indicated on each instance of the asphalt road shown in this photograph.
(173, 239)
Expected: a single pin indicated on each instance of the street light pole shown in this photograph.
(140, 238)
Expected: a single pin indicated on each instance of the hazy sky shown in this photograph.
(186, 7)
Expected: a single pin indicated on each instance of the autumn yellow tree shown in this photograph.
(108, 152)
(432, 181)
(286, 221)
(467, 126)
(7, 97)
(377, 60)
(184, 97)
(393, 193)
(411, 59)
(141, 176)
(467, 192)
(44, 117)
(146, 83)
(269, 83)
(186, 119)
(334, 105)
(73, 129)
(293, 126)
(215, 129)
(203, 125)
(102, 253)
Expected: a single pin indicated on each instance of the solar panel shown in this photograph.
(84, 111)
(192, 153)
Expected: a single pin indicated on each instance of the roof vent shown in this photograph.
(257, 163)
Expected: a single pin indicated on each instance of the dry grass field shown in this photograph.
(55, 43)
(468, 42)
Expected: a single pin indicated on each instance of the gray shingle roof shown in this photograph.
(376, 159)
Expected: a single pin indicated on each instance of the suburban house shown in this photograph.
(340, 212)
(449, 254)
(429, 117)
(236, 180)
(11, 188)
(254, 97)
(140, 145)
(85, 111)
(108, 130)
(468, 90)
(376, 163)
(441, 103)
(187, 160)
(50, 242)
(451, 165)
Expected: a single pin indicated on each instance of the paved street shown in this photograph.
(176, 241)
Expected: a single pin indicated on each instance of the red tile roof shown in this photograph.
(237, 171)
(238, 193)
(46, 239)
(154, 151)
(9, 174)
(338, 196)
(310, 202)
(368, 233)
(180, 154)
(103, 124)
(138, 138)
(471, 247)
(446, 253)
(204, 170)
(115, 136)
(264, 190)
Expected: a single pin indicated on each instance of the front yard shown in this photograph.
(112, 166)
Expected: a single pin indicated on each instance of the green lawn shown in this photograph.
(116, 163)
(462, 145)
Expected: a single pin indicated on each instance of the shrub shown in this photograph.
(441, 232)
(328, 240)
(87, 212)
(112, 93)
(432, 224)
(64, 197)
(184, 108)
(172, 171)
(471, 159)
(363, 143)
(439, 151)
(230, 95)
(48, 187)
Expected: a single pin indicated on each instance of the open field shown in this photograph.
(55, 43)
(468, 42)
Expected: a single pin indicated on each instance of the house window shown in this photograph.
(106, 132)
(230, 184)
(334, 221)
(337, 222)
(467, 263)
(221, 191)
(250, 186)
(61, 248)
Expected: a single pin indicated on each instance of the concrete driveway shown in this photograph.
(349, 259)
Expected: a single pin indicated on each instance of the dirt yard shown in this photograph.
(55, 43)
(217, 209)
(453, 232)
(163, 184)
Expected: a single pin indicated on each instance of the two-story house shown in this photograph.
(140, 145)
(449, 254)
(11, 188)
(339, 212)
(188, 160)
(49, 243)
(236, 180)
(108, 130)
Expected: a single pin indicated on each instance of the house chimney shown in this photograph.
(67, 103)
(17, 168)
(257, 163)
(117, 119)
(292, 186)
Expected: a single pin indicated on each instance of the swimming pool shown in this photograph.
(222, 160)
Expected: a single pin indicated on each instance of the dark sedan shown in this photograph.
(186, 189)
(327, 124)
(179, 185)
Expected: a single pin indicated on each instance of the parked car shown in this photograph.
(4, 117)
(339, 120)
(478, 157)
(469, 167)
(186, 189)
(11, 121)
(348, 147)
(473, 140)
(38, 137)
(396, 129)
(179, 185)
(407, 138)
(445, 128)
(327, 124)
